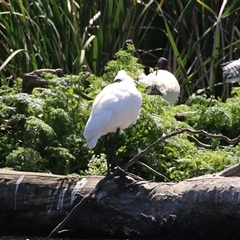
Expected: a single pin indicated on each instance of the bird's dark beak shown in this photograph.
(117, 80)
(153, 90)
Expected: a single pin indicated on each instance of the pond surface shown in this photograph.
(62, 237)
(38, 238)
(8, 237)
(32, 236)
(66, 236)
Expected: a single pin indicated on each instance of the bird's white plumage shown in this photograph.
(165, 82)
(116, 106)
(231, 71)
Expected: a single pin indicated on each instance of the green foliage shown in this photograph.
(123, 60)
(60, 121)
(201, 101)
(96, 166)
(24, 104)
(37, 134)
(25, 159)
(44, 131)
(216, 119)
(67, 34)
(59, 159)
(48, 123)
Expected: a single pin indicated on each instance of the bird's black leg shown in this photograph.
(110, 150)
(114, 147)
(107, 152)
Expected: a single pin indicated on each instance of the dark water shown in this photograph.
(8, 237)
(68, 235)
(37, 236)
(46, 238)
(31, 237)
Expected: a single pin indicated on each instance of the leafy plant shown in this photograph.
(38, 134)
(44, 131)
(97, 165)
(25, 159)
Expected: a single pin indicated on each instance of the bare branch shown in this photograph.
(152, 170)
(39, 72)
(211, 135)
(165, 137)
(200, 144)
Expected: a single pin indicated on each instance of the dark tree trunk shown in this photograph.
(122, 205)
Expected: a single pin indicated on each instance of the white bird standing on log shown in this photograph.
(116, 107)
(231, 71)
(162, 82)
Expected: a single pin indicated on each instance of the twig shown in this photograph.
(85, 96)
(210, 135)
(152, 170)
(162, 139)
(38, 72)
(200, 143)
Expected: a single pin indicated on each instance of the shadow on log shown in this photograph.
(122, 205)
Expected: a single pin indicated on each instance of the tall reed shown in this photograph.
(196, 36)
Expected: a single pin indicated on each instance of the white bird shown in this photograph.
(116, 107)
(162, 82)
(231, 71)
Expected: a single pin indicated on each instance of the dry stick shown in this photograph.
(39, 72)
(162, 139)
(200, 144)
(152, 170)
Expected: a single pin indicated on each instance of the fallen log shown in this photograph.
(34, 80)
(39, 201)
(122, 205)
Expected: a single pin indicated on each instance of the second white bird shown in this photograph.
(164, 83)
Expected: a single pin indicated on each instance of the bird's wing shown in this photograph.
(108, 89)
(147, 79)
(96, 127)
(225, 63)
(231, 70)
(116, 106)
(104, 107)
(166, 81)
(119, 105)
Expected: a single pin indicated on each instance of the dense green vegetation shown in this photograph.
(43, 131)
(196, 36)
